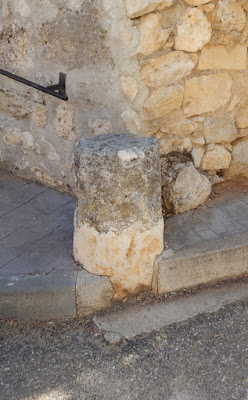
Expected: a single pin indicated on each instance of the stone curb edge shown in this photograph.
(214, 261)
(55, 296)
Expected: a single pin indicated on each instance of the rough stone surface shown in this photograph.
(65, 123)
(163, 101)
(219, 58)
(184, 187)
(241, 117)
(197, 154)
(152, 34)
(171, 67)
(184, 127)
(193, 31)
(118, 221)
(170, 143)
(131, 119)
(139, 7)
(220, 130)
(228, 16)
(206, 93)
(216, 159)
(239, 163)
(129, 87)
(196, 2)
(92, 292)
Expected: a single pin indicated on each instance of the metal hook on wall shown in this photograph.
(57, 90)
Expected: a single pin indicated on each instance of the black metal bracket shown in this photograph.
(54, 90)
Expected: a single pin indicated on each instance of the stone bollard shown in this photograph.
(118, 225)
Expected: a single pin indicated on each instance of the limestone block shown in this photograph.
(243, 132)
(216, 159)
(196, 2)
(93, 293)
(185, 187)
(15, 48)
(164, 70)
(100, 126)
(152, 35)
(228, 16)
(118, 225)
(65, 123)
(131, 119)
(184, 127)
(129, 87)
(241, 117)
(206, 93)
(207, 8)
(193, 31)
(197, 138)
(197, 154)
(220, 130)
(163, 101)
(239, 163)
(235, 100)
(171, 143)
(14, 104)
(219, 58)
(40, 115)
(15, 137)
(136, 8)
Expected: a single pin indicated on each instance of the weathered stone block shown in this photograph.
(163, 101)
(239, 163)
(228, 16)
(184, 187)
(206, 93)
(193, 31)
(136, 8)
(92, 293)
(118, 220)
(152, 34)
(219, 58)
(216, 159)
(164, 70)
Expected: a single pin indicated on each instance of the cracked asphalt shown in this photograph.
(205, 358)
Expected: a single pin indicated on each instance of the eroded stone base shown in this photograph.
(126, 257)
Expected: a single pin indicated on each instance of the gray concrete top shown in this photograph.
(114, 143)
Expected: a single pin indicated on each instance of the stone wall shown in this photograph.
(172, 69)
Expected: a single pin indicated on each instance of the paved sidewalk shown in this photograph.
(36, 227)
(220, 217)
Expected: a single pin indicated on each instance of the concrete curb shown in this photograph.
(211, 262)
(54, 296)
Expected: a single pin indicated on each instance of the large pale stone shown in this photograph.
(216, 159)
(152, 34)
(185, 188)
(163, 101)
(206, 93)
(239, 163)
(14, 104)
(196, 2)
(193, 31)
(241, 118)
(136, 8)
(184, 127)
(129, 87)
(118, 220)
(219, 58)
(228, 16)
(16, 137)
(65, 124)
(171, 143)
(131, 120)
(40, 115)
(164, 70)
(197, 154)
(220, 130)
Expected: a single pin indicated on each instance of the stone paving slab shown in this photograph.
(222, 217)
(36, 228)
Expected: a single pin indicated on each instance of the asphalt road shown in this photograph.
(205, 358)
